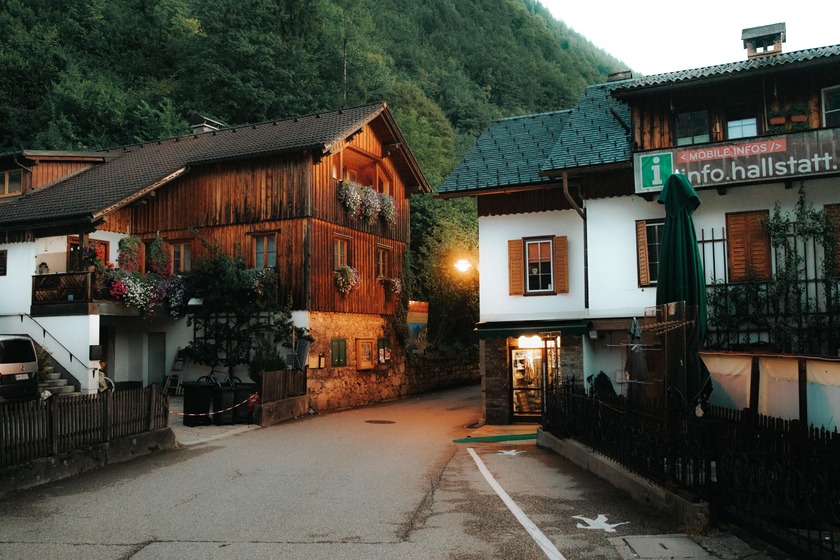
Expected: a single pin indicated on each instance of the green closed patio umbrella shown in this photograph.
(681, 278)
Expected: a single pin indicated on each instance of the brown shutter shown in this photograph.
(748, 244)
(642, 252)
(561, 265)
(516, 267)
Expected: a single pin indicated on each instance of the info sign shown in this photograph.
(771, 159)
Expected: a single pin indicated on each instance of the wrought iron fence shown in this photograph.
(765, 473)
(796, 311)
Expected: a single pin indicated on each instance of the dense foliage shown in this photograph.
(90, 74)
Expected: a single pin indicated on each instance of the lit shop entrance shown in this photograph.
(534, 362)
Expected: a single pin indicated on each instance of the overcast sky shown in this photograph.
(655, 36)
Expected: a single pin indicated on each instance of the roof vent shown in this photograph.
(765, 40)
(200, 123)
(618, 76)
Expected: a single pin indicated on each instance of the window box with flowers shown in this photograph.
(350, 196)
(393, 286)
(387, 208)
(346, 278)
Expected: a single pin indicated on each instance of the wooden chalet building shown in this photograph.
(266, 191)
(569, 222)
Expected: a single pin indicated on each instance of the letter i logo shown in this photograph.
(656, 168)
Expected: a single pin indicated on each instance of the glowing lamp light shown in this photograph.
(530, 342)
(463, 265)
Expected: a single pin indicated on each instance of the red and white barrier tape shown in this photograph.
(250, 398)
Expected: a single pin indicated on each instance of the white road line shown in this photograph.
(546, 545)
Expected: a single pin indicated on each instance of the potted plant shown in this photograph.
(776, 118)
(798, 112)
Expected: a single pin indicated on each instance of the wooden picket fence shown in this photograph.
(282, 384)
(35, 429)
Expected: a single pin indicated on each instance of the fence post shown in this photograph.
(53, 408)
(755, 381)
(803, 394)
(152, 408)
(108, 416)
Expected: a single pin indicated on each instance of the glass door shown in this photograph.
(528, 377)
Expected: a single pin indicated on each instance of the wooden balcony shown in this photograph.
(73, 293)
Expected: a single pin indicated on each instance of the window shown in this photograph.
(742, 128)
(265, 251)
(648, 241)
(341, 251)
(538, 270)
(692, 128)
(748, 246)
(4, 256)
(831, 106)
(364, 353)
(180, 256)
(383, 258)
(10, 182)
(538, 266)
(338, 354)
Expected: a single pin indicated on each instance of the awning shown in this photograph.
(504, 329)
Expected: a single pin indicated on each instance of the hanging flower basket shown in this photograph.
(346, 278)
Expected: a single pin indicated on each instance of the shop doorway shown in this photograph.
(534, 361)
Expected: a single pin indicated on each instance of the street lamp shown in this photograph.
(463, 265)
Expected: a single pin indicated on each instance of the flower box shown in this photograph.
(775, 121)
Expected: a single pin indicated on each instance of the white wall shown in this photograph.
(494, 233)
(16, 286)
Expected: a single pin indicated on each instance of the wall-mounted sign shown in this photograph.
(777, 158)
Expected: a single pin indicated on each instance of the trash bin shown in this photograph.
(197, 398)
(241, 392)
(223, 400)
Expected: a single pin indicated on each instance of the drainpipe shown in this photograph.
(582, 215)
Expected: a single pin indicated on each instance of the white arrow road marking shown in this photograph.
(598, 523)
(542, 541)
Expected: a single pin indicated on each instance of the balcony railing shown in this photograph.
(66, 287)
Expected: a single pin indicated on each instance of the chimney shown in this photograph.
(200, 123)
(765, 40)
(620, 75)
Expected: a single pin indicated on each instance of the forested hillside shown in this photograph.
(89, 74)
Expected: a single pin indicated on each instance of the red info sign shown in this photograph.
(732, 151)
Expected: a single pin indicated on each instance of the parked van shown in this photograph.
(18, 368)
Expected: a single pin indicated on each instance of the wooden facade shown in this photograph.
(759, 95)
(292, 197)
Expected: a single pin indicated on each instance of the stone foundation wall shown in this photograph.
(334, 388)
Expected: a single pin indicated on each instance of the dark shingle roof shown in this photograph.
(510, 152)
(597, 133)
(140, 166)
(723, 70)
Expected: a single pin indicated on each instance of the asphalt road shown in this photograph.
(383, 482)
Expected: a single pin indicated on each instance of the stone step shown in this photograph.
(50, 376)
(52, 383)
(60, 390)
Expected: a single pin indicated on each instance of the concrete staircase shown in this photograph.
(51, 381)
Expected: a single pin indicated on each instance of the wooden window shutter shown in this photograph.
(642, 252)
(516, 267)
(561, 265)
(832, 212)
(748, 245)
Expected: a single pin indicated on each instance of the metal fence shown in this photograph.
(767, 474)
(797, 311)
(34, 429)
